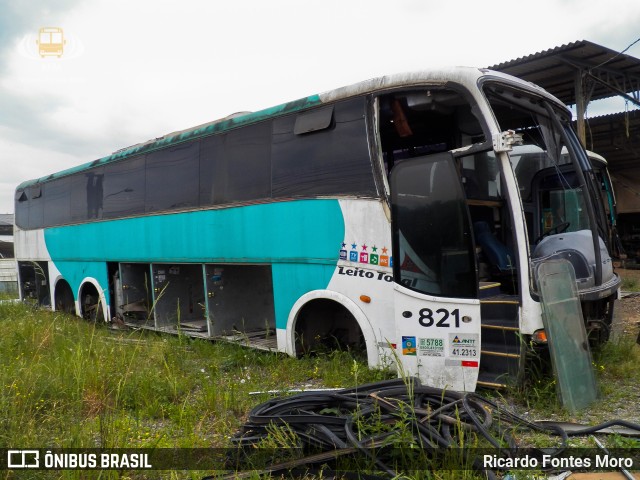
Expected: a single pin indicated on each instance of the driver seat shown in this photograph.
(496, 252)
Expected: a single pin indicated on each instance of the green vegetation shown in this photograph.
(630, 284)
(68, 383)
(618, 377)
(617, 373)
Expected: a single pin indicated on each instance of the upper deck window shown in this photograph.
(332, 160)
(421, 122)
(172, 178)
(322, 151)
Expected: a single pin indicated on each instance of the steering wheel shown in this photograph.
(560, 228)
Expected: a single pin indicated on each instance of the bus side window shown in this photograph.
(22, 208)
(325, 157)
(124, 188)
(36, 206)
(57, 208)
(172, 178)
(244, 171)
(87, 195)
(211, 152)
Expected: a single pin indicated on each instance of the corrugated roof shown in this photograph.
(6, 219)
(555, 69)
(616, 137)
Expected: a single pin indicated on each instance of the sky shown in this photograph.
(133, 70)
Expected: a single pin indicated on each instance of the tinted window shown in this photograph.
(22, 209)
(172, 178)
(211, 152)
(87, 195)
(245, 171)
(433, 247)
(124, 188)
(57, 205)
(36, 206)
(328, 155)
(334, 160)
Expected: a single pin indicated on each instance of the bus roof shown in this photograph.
(462, 75)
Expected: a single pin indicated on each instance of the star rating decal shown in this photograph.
(372, 255)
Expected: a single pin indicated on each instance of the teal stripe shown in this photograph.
(291, 281)
(75, 272)
(301, 238)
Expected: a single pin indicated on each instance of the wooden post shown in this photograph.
(581, 107)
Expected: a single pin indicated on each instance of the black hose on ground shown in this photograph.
(386, 428)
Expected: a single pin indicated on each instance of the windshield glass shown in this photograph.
(552, 196)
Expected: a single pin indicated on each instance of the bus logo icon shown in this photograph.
(23, 459)
(51, 42)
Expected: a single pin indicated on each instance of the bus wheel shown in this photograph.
(90, 304)
(325, 325)
(63, 295)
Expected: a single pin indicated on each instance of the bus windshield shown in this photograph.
(552, 195)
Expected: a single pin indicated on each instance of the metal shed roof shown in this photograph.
(617, 138)
(6, 219)
(606, 73)
(555, 70)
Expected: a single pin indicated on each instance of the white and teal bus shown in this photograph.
(401, 215)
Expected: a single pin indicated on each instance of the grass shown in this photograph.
(618, 378)
(630, 284)
(66, 383)
(617, 374)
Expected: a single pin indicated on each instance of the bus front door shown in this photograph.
(437, 311)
